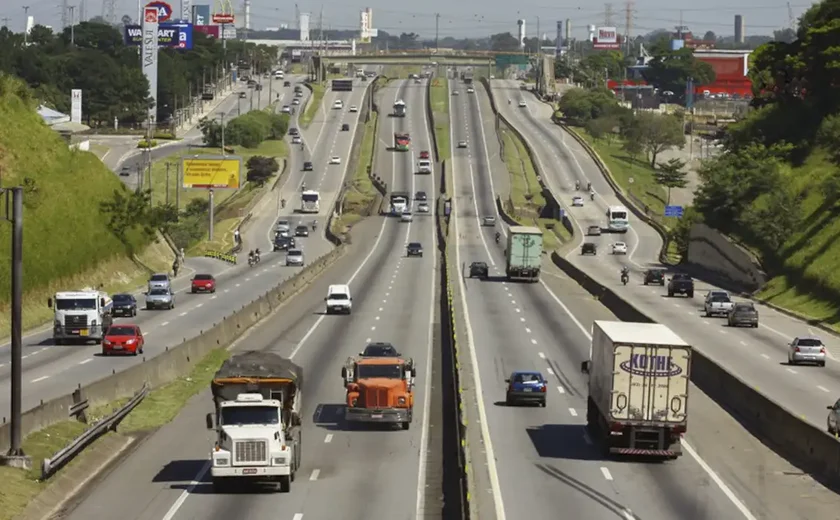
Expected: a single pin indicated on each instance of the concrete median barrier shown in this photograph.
(804, 445)
(175, 361)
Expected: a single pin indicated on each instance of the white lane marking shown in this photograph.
(765, 356)
(298, 516)
(792, 371)
(573, 412)
(373, 328)
(2, 365)
(628, 514)
(533, 341)
(518, 310)
(39, 379)
(227, 290)
(705, 322)
(606, 473)
(550, 371)
(214, 297)
(191, 487)
(380, 309)
(675, 304)
(561, 389)
(200, 305)
(513, 302)
(495, 486)
(717, 480)
(239, 284)
(328, 439)
(164, 324)
(377, 318)
(824, 389)
(744, 343)
(183, 314)
(542, 355)
(314, 475)
(722, 331)
(86, 361)
(247, 280)
(522, 319)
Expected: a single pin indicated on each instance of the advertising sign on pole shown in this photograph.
(164, 10)
(223, 18)
(606, 38)
(172, 35)
(149, 52)
(202, 15)
(209, 30)
(212, 171)
(76, 106)
(186, 10)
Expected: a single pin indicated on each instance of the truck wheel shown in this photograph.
(219, 485)
(285, 484)
(670, 294)
(406, 425)
(691, 294)
(59, 341)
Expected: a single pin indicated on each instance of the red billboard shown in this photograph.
(209, 30)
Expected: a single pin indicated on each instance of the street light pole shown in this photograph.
(211, 195)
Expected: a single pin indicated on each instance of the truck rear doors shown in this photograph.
(650, 383)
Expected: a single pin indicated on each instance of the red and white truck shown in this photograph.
(638, 389)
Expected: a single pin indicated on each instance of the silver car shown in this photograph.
(294, 257)
(160, 299)
(159, 281)
(806, 349)
(283, 225)
(833, 421)
(488, 221)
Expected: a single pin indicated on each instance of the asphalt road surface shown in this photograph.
(51, 370)
(758, 356)
(376, 472)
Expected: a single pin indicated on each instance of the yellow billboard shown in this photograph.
(212, 171)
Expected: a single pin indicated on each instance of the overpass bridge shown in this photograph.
(489, 60)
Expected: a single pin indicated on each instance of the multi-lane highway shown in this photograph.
(758, 356)
(51, 370)
(349, 474)
(521, 327)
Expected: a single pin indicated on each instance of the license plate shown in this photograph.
(376, 416)
(528, 389)
(117, 347)
(83, 332)
(249, 471)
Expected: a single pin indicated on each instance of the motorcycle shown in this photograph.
(592, 195)
(625, 277)
(577, 186)
(252, 261)
(314, 225)
(498, 237)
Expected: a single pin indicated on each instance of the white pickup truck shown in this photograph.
(718, 303)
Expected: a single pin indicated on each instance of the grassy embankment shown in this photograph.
(439, 98)
(526, 193)
(400, 71)
(644, 188)
(230, 204)
(809, 283)
(67, 244)
(361, 193)
(160, 407)
(313, 105)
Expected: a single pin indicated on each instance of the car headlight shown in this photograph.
(279, 461)
(401, 400)
(93, 323)
(221, 462)
(354, 401)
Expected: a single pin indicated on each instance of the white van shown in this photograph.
(338, 299)
(278, 74)
(424, 166)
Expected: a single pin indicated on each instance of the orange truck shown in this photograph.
(379, 390)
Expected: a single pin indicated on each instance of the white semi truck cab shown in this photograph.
(83, 315)
(257, 421)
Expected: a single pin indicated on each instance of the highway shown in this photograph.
(540, 459)
(51, 370)
(758, 356)
(358, 474)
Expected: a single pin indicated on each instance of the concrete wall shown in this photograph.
(710, 252)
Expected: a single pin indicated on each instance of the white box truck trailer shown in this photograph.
(638, 389)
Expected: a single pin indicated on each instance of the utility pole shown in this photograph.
(167, 182)
(64, 13)
(178, 189)
(15, 457)
(26, 24)
(628, 26)
(437, 32)
(608, 15)
(72, 26)
(5, 21)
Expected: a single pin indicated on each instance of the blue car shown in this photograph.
(526, 387)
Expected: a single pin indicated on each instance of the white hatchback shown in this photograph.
(577, 202)
(335, 159)
(354, 108)
(619, 248)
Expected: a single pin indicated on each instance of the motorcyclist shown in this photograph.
(625, 274)
(175, 266)
(301, 146)
(251, 257)
(577, 185)
(589, 186)
(257, 255)
(498, 237)
(282, 203)
(591, 194)
(303, 186)
(314, 224)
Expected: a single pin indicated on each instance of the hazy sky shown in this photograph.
(470, 17)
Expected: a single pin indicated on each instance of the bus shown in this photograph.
(401, 142)
(310, 202)
(618, 219)
(399, 108)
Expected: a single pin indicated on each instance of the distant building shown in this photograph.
(688, 41)
(731, 71)
(739, 29)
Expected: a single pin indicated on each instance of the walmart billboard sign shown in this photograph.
(173, 35)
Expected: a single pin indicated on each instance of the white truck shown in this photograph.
(638, 389)
(399, 202)
(83, 315)
(718, 303)
(257, 399)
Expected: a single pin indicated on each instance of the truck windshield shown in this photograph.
(384, 371)
(76, 304)
(309, 197)
(248, 415)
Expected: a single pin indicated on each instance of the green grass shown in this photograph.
(159, 181)
(809, 281)
(313, 105)
(361, 193)
(439, 97)
(67, 244)
(526, 197)
(99, 150)
(400, 71)
(159, 407)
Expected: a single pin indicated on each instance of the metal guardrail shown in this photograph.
(52, 464)
(218, 255)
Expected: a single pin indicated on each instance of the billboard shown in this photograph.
(212, 171)
(175, 35)
(75, 106)
(209, 30)
(201, 15)
(164, 10)
(365, 26)
(342, 85)
(606, 38)
(149, 54)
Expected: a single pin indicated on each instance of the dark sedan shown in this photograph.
(379, 349)
(526, 387)
(414, 249)
(479, 270)
(655, 276)
(589, 248)
(125, 305)
(282, 243)
(301, 231)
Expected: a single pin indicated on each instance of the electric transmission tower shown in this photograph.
(109, 11)
(608, 15)
(628, 25)
(64, 11)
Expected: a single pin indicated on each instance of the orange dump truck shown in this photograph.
(379, 390)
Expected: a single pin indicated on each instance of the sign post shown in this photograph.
(149, 53)
(76, 106)
(606, 38)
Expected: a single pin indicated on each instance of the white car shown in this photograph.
(335, 159)
(488, 221)
(294, 257)
(296, 140)
(522, 104)
(423, 207)
(577, 202)
(338, 105)
(286, 109)
(406, 216)
(354, 108)
(619, 248)
(470, 90)
(454, 92)
(296, 101)
(462, 144)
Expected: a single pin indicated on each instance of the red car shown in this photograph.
(203, 283)
(123, 339)
(424, 154)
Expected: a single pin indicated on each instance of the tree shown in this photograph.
(601, 127)
(504, 42)
(655, 133)
(197, 208)
(671, 175)
(785, 35)
(211, 130)
(710, 36)
(580, 106)
(632, 147)
(126, 211)
(260, 169)
(670, 70)
(828, 136)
